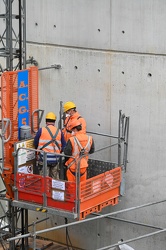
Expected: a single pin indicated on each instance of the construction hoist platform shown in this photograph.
(24, 186)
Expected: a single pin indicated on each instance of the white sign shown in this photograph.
(58, 184)
(26, 169)
(24, 155)
(57, 195)
(30, 155)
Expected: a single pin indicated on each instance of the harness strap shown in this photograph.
(79, 144)
(53, 139)
(71, 163)
(83, 149)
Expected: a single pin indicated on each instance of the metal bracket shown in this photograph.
(55, 66)
(31, 60)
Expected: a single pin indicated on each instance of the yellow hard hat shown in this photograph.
(69, 105)
(51, 116)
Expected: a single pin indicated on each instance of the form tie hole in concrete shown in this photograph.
(149, 75)
(54, 26)
(98, 124)
(123, 31)
(98, 30)
(36, 24)
(123, 72)
(98, 70)
(76, 67)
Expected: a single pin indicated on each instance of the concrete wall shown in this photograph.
(112, 54)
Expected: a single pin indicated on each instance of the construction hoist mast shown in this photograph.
(13, 45)
(13, 49)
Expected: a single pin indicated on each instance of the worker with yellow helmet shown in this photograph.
(50, 140)
(71, 115)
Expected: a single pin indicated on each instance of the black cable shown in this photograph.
(68, 241)
(67, 235)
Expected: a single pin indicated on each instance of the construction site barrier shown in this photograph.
(92, 195)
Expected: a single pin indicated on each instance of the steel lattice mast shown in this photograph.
(13, 37)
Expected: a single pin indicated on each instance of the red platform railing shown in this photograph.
(93, 194)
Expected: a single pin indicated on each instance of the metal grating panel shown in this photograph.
(96, 167)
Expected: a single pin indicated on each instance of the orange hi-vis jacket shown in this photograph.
(45, 138)
(81, 145)
(69, 120)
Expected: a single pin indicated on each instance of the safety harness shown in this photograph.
(53, 137)
(82, 150)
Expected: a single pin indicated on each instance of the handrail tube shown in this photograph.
(109, 146)
(61, 172)
(126, 144)
(40, 116)
(130, 240)
(130, 221)
(96, 133)
(5, 127)
(87, 220)
(119, 141)
(44, 175)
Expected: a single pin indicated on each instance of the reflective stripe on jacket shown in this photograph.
(69, 120)
(46, 137)
(86, 143)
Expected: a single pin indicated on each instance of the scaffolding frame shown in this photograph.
(34, 233)
(13, 45)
